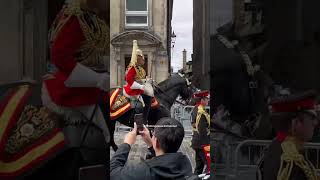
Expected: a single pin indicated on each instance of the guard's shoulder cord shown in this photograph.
(202, 111)
(96, 33)
(291, 157)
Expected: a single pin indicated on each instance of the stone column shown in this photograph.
(118, 65)
(154, 61)
(184, 59)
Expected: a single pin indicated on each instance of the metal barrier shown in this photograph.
(183, 114)
(315, 147)
(247, 156)
(242, 158)
(120, 127)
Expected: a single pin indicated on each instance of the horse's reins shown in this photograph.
(88, 124)
(89, 121)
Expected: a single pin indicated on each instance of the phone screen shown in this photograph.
(138, 118)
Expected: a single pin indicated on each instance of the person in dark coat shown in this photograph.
(168, 164)
(294, 118)
(201, 130)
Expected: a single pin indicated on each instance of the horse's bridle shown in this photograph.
(251, 70)
(167, 98)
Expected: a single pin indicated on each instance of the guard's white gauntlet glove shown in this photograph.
(82, 76)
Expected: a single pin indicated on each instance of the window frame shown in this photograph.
(136, 13)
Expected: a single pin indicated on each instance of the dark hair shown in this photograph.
(169, 138)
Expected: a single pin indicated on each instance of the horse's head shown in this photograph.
(177, 84)
(187, 89)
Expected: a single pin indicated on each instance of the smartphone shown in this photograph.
(138, 118)
(93, 172)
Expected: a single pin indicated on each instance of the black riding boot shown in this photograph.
(147, 102)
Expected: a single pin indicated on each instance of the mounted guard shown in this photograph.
(138, 87)
(78, 42)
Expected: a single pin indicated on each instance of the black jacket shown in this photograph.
(201, 137)
(170, 166)
(272, 161)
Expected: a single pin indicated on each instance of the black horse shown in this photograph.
(244, 96)
(166, 93)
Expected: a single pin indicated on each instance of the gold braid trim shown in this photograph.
(95, 30)
(140, 72)
(97, 39)
(202, 111)
(291, 156)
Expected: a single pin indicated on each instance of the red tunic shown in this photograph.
(63, 51)
(130, 78)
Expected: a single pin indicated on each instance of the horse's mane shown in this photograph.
(170, 82)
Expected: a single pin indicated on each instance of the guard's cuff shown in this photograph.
(82, 76)
(136, 85)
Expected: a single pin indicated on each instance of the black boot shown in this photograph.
(147, 102)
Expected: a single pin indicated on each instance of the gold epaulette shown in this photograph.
(291, 157)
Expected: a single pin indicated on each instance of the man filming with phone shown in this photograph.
(167, 137)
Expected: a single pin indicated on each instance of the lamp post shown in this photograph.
(173, 41)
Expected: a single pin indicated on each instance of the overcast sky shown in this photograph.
(182, 23)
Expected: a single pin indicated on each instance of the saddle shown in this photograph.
(29, 132)
(120, 104)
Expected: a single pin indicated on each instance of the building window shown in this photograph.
(136, 13)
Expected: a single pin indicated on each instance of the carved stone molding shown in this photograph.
(126, 38)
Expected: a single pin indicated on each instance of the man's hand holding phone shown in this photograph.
(138, 119)
(131, 137)
(145, 135)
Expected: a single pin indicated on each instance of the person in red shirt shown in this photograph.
(138, 86)
(78, 41)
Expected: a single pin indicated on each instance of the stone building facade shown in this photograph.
(201, 44)
(23, 34)
(148, 22)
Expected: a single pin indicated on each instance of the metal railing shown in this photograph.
(119, 127)
(183, 114)
(254, 151)
(241, 159)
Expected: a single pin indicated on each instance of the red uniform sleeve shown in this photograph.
(65, 46)
(130, 76)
